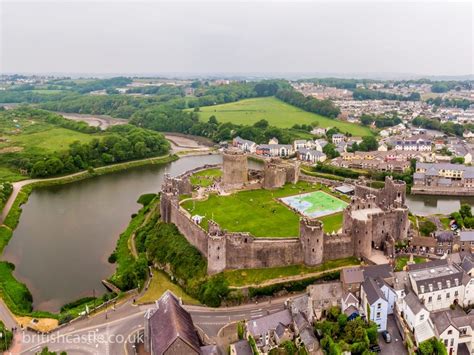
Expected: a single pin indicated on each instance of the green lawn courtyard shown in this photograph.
(260, 213)
(277, 113)
(206, 177)
(402, 261)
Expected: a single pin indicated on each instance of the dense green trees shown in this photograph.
(122, 143)
(427, 227)
(459, 103)
(448, 127)
(6, 337)
(368, 144)
(310, 104)
(330, 151)
(432, 346)
(380, 121)
(340, 335)
(366, 94)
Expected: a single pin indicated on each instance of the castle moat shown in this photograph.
(66, 233)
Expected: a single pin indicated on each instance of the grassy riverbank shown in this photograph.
(15, 294)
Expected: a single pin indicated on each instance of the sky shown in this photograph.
(258, 37)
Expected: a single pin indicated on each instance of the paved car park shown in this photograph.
(396, 347)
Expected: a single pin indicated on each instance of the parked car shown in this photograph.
(375, 349)
(386, 336)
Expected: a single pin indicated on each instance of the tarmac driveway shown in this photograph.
(396, 347)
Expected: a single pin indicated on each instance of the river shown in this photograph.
(66, 233)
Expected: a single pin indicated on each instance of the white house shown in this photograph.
(417, 317)
(318, 131)
(419, 145)
(319, 144)
(389, 294)
(244, 144)
(384, 133)
(310, 155)
(338, 138)
(437, 284)
(454, 329)
(382, 147)
(374, 303)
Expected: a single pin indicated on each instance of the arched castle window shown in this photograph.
(313, 250)
(245, 240)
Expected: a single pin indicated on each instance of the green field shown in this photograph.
(257, 211)
(23, 138)
(50, 140)
(277, 113)
(332, 223)
(206, 177)
(257, 276)
(159, 284)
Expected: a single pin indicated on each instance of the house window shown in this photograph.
(446, 342)
(379, 305)
(439, 298)
(456, 293)
(378, 315)
(448, 295)
(422, 317)
(451, 343)
(430, 299)
(450, 332)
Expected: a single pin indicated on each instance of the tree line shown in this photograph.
(435, 124)
(380, 121)
(308, 103)
(459, 103)
(121, 143)
(366, 94)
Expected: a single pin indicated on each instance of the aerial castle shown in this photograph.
(375, 218)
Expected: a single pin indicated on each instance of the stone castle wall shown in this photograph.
(228, 250)
(278, 172)
(337, 247)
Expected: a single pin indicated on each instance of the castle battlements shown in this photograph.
(375, 218)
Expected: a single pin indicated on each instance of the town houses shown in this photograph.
(418, 145)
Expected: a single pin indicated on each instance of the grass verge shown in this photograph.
(257, 276)
(159, 284)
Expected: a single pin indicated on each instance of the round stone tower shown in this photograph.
(312, 240)
(235, 168)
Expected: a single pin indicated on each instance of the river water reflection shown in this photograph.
(66, 233)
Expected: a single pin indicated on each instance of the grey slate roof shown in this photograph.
(259, 326)
(413, 303)
(384, 271)
(444, 236)
(308, 338)
(437, 277)
(372, 290)
(353, 275)
(427, 265)
(169, 322)
(467, 264)
(467, 236)
(242, 347)
(210, 350)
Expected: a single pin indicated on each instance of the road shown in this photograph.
(106, 333)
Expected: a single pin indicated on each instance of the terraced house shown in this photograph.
(444, 178)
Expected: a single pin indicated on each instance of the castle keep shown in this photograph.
(375, 218)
